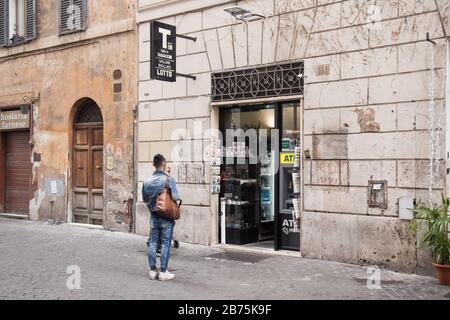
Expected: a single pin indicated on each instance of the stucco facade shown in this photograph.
(53, 73)
(370, 84)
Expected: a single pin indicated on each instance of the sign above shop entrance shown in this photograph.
(163, 50)
(14, 119)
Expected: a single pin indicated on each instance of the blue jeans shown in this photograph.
(161, 233)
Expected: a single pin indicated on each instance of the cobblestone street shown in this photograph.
(35, 257)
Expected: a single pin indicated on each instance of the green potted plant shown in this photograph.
(436, 236)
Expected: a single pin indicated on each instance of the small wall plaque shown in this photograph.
(54, 187)
(323, 70)
(117, 74)
(109, 163)
(377, 194)
(117, 87)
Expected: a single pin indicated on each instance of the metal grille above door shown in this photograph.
(262, 82)
(88, 112)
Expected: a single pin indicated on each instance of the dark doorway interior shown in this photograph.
(256, 198)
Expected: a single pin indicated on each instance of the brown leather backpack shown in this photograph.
(166, 207)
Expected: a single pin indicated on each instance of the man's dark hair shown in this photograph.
(158, 160)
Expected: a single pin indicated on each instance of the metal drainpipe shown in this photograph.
(447, 109)
(135, 164)
(32, 142)
(31, 115)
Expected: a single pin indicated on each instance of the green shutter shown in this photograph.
(72, 16)
(82, 4)
(31, 18)
(4, 23)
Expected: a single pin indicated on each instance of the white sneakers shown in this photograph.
(165, 276)
(153, 275)
(162, 276)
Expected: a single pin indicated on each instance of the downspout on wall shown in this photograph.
(135, 168)
(447, 117)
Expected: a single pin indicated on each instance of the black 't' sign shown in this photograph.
(163, 51)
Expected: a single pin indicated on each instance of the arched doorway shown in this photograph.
(87, 163)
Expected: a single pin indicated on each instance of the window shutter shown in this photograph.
(31, 18)
(64, 15)
(82, 5)
(72, 16)
(4, 23)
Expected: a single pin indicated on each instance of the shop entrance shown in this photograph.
(17, 171)
(87, 164)
(259, 194)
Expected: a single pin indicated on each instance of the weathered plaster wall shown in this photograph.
(364, 119)
(64, 70)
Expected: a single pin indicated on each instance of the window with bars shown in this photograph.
(17, 22)
(72, 16)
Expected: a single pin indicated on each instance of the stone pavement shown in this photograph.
(34, 258)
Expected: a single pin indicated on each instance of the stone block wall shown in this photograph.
(367, 119)
(368, 70)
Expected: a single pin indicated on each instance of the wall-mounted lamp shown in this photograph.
(242, 14)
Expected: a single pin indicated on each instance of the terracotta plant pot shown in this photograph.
(443, 274)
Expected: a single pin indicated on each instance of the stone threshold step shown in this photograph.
(231, 247)
(87, 226)
(14, 216)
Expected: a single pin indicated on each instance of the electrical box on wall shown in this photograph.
(405, 205)
(54, 187)
(377, 194)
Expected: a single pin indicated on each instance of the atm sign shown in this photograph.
(287, 158)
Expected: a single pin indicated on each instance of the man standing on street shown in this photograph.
(161, 232)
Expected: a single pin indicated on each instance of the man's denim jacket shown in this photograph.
(155, 185)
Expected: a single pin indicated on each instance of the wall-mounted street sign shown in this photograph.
(14, 119)
(163, 51)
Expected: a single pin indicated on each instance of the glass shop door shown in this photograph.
(287, 221)
(248, 187)
(259, 201)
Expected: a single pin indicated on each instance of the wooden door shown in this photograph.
(88, 174)
(18, 172)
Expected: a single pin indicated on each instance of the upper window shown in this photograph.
(72, 16)
(16, 18)
(17, 21)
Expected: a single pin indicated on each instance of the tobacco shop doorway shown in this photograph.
(15, 161)
(260, 175)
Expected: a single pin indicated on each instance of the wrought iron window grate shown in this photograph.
(262, 82)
